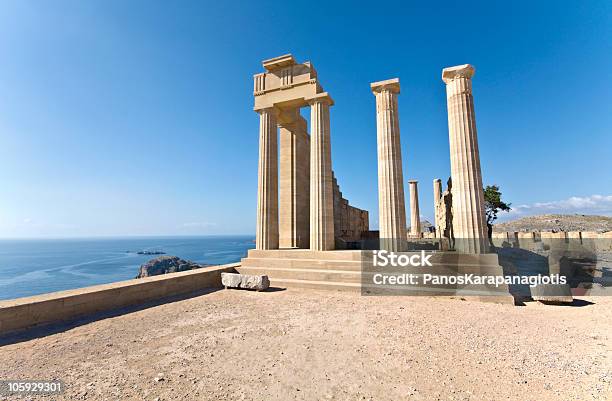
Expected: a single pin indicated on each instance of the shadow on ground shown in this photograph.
(54, 328)
(575, 303)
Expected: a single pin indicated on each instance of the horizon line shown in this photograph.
(125, 236)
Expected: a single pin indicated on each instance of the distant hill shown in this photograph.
(557, 222)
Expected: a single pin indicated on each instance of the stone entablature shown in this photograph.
(285, 83)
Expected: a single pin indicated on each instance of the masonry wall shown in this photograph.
(23, 313)
(529, 239)
(350, 223)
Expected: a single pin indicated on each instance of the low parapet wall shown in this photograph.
(549, 234)
(23, 313)
(525, 239)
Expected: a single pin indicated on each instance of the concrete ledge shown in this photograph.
(23, 313)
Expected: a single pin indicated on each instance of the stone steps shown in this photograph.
(344, 255)
(348, 265)
(303, 268)
(315, 285)
(342, 271)
(326, 275)
(437, 258)
(338, 276)
(355, 266)
(356, 287)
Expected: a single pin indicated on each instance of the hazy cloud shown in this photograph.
(594, 204)
(193, 225)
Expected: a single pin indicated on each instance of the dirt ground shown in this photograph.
(313, 345)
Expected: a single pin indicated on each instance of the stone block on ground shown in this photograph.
(231, 280)
(251, 282)
(557, 293)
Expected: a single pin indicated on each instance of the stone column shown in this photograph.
(391, 201)
(437, 192)
(415, 215)
(321, 190)
(469, 223)
(267, 181)
(294, 187)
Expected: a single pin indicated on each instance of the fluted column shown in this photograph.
(293, 182)
(469, 224)
(437, 194)
(267, 181)
(321, 190)
(391, 201)
(415, 215)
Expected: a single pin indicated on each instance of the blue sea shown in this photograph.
(31, 267)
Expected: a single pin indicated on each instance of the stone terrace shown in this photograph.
(306, 344)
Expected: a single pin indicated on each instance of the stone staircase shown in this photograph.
(341, 270)
(303, 268)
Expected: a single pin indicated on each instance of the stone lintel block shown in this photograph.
(320, 97)
(275, 63)
(392, 85)
(460, 71)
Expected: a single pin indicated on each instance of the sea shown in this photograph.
(32, 267)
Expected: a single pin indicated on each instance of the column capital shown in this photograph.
(320, 98)
(392, 85)
(412, 182)
(449, 74)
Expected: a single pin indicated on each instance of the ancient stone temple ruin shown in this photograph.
(306, 228)
(312, 214)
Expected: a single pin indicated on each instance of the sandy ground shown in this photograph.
(313, 345)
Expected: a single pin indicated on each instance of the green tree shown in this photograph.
(493, 205)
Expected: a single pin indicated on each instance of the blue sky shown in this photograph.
(135, 117)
